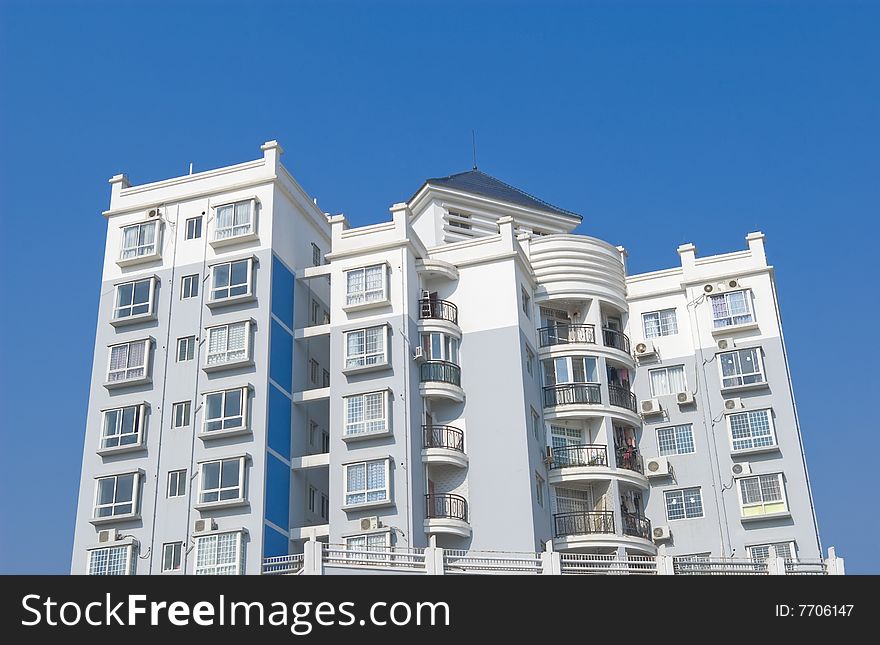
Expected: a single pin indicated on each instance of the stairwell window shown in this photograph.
(189, 286)
(526, 302)
(539, 490)
(366, 347)
(172, 553)
(366, 413)
(176, 484)
(316, 255)
(762, 495)
(186, 348)
(139, 240)
(123, 427)
(365, 285)
(180, 413)
(112, 561)
(667, 380)
(222, 480)
(732, 308)
(741, 367)
(193, 228)
(686, 503)
(117, 496)
(128, 361)
(219, 554)
(367, 482)
(660, 323)
(749, 430)
(232, 280)
(135, 299)
(229, 343)
(234, 220)
(226, 410)
(677, 440)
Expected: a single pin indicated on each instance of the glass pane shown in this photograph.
(124, 488)
(211, 475)
(230, 473)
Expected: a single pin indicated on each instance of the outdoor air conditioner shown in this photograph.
(418, 354)
(109, 535)
(370, 523)
(741, 469)
(733, 404)
(153, 212)
(726, 343)
(203, 526)
(657, 467)
(685, 398)
(651, 406)
(660, 533)
(645, 349)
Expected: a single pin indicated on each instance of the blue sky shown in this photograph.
(662, 123)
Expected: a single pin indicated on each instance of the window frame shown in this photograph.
(316, 255)
(526, 301)
(154, 254)
(129, 559)
(191, 343)
(791, 544)
(358, 299)
(140, 421)
(539, 489)
(740, 375)
(386, 500)
(569, 364)
(194, 223)
(747, 299)
(348, 434)
(676, 441)
(666, 369)
(771, 427)
(135, 500)
(116, 319)
(366, 355)
(232, 238)
(215, 568)
(763, 504)
(240, 486)
(187, 406)
(145, 377)
(192, 281)
(659, 328)
(213, 300)
(248, 348)
(682, 492)
(175, 546)
(179, 474)
(376, 536)
(244, 412)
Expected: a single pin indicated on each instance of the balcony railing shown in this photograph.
(446, 506)
(571, 394)
(621, 397)
(566, 334)
(438, 310)
(630, 460)
(636, 526)
(443, 437)
(580, 455)
(615, 339)
(442, 371)
(583, 523)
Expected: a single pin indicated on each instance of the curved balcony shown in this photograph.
(629, 459)
(447, 513)
(621, 397)
(586, 454)
(596, 530)
(572, 394)
(583, 523)
(443, 445)
(589, 463)
(615, 339)
(438, 310)
(566, 335)
(637, 526)
(441, 379)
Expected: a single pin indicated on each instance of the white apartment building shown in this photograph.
(467, 376)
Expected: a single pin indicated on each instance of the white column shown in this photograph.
(551, 562)
(313, 558)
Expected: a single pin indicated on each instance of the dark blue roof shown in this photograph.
(477, 182)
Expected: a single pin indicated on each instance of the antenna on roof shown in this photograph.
(190, 168)
(474, 145)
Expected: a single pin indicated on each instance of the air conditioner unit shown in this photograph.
(660, 533)
(153, 212)
(741, 469)
(370, 523)
(733, 404)
(203, 526)
(418, 354)
(651, 406)
(645, 349)
(685, 398)
(726, 343)
(109, 535)
(657, 467)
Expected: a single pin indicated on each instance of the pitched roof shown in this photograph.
(479, 183)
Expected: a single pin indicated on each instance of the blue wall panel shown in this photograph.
(277, 491)
(281, 357)
(282, 292)
(274, 543)
(279, 422)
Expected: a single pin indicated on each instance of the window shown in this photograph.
(325, 442)
(530, 361)
(570, 369)
(366, 482)
(176, 483)
(686, 503)
(366, 413)
(660, 323)
(437, 346)
(222, 480)
(231, 279)
(139, 240)
(762, 495)
(313, 371)
(733, 308)
(365, 285)
(116, 495)
(128, 361)
(537, 427)
(326, 375)
(316, 255)
(316, 312)
(134, 299)
(234, 220)
(325, 507)
(368, 542)
(193, 228)
(123, 427)
(228, 343)
(180, 414)
(186, 348)
(365, 347)
(751, 430)
(226, 410)
(112, 561)
(189, 286)
(667, 380)
(313, 492)
(171, 556)
(761, 552)
(526, 302)
(539, 489)
(741, 367)
(678, 440)
(313, 433)
(220, 554)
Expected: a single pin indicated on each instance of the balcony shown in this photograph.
(589, 455)
(447, 513)
(583, 523)
(636, 526)
(615, 339)
(443, 445)
(572, 394)
(566, 335)
(438, 310)
(441, 379)
(596, 530)
(621, 397)
(629, 459)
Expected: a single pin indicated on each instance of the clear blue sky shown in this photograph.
(661, 122)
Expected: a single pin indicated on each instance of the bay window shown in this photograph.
(234, 220)
(437, 346)
(367, 482)
(366, 347)
(365, 285)
(741, 367)
(229, 343)
(112, 561)
(667, 380)
(226, 411)
(366, 413)
(128, 361)
(140, 241)
(762, 495)
(220, 554)
(570, 369)
(134, 299)
(116, 496)
(232, 280)
(222, 480)
(750, 430)
(123, 427)
(732, 308)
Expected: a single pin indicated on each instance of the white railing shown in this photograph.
(499, 562)
(283, 565)
(590, 564)
(720, 567)
(806, 568)
(397, 558)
